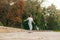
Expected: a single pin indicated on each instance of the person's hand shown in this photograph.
(33, 22)
(24, 20)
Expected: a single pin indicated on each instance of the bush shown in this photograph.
(1, 24)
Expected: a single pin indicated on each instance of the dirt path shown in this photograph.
(50, 35)
(30, 36)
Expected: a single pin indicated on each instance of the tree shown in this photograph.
(50, 17)
(34, 8)
(11, 13)
(3, 11)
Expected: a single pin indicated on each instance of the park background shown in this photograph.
(14, 12)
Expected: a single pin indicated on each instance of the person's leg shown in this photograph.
(30, 28)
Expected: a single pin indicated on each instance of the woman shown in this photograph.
(30, 20)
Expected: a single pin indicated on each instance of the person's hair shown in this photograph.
(29, 15)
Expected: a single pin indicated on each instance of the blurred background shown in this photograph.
(46, 13)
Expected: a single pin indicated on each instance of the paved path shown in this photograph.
(30, 36)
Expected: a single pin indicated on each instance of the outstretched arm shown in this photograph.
(26, 19)
(33, 22)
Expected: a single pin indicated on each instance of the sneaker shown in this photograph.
(30, 32)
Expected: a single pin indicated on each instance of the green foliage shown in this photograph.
(51, 18)
(33, 7)
(45, 19)
(1, 24)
